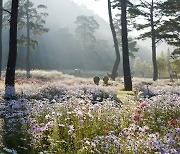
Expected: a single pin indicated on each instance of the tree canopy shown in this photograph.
(86, 26)
(170, 28)
(37, 21)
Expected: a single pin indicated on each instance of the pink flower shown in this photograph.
(136, 117)
(174, 122)
(142, 106)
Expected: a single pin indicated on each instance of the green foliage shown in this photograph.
(132, 43)
(176, 60)
(176, 52)
(170, 27)
(23, 39)
(96, 80)
(142, 68)
(37, 20)
(106, 79)
(162, 63)
(149, 12)
(169, 31)
(176, 65)
(86, 26)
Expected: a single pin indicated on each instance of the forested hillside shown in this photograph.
(60, 49)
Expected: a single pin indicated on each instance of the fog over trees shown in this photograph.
(65, 47)
(54, 53)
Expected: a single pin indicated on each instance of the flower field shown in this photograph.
(74, 116)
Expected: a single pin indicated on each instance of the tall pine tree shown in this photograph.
(150, 12)
(170, 27)
(10, 71)
(125, 47)
(31, 19)
(116, 45)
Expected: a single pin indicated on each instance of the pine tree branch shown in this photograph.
(158, 41)
(158, 21)
(5, 10)
(145, 3)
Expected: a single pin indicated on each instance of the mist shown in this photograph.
(59, 48)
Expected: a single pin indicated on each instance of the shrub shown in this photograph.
(106, 79)
(96, 80)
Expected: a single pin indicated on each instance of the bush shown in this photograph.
(96, 80)
(106, 79)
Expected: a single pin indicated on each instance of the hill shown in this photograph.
(59, 49)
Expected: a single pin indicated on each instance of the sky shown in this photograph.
(97, 6)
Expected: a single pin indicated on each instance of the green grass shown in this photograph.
(122, 95)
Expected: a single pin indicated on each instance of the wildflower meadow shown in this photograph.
(56, 113)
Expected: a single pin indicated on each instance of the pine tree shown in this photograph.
(116, 45)
(132, 42)
(10, 71)
(86, 26)
(150, 12)
(125, 48)
(170, 27)
(31, 19)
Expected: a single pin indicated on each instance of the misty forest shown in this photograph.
(75, 82)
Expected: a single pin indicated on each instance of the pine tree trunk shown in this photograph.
(153, 38)
(117, 61)
(10, 71)
(1, 5)
(28, 43)
(155, 68)
(126, 64)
